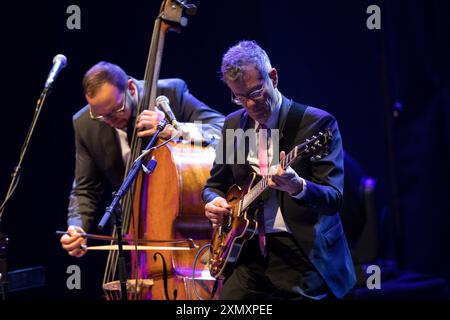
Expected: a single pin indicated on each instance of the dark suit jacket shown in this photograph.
(99, 157)
(313, 219)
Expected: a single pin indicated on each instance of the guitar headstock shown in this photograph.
(317, 146)
(172, 12)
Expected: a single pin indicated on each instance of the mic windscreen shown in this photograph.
(61, 58)
(161, 100)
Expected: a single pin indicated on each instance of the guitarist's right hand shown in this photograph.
(215, 210)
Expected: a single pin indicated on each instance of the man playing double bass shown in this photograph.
(102, 132)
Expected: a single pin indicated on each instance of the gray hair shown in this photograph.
(240, 57)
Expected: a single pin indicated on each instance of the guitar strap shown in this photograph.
(290, 130)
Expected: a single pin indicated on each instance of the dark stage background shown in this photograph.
(325, 56)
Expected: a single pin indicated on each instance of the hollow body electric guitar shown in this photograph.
(241, 223)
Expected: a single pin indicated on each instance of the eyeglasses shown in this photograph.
(254, 95)
(112, 114)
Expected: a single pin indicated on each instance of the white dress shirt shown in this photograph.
(124, 145)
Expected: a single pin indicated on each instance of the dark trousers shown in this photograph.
(285, 272)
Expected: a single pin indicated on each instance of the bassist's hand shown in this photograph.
(215, 210)
(73, 242)
(147, 122)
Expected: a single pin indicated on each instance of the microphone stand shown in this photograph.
(116, 209)
(15, 177)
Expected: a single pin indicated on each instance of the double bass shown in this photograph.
(165, 206)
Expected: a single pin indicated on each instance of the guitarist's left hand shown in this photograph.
(285, 180)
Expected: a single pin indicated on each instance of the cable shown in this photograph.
(216, 282)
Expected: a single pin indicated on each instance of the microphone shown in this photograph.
(59, 62)
(162, 102)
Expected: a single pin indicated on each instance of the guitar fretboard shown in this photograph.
(312, 147)
(262, 185)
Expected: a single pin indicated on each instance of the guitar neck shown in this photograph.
(263, 184)
(316, 146)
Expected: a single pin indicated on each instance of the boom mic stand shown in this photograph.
(15, 177)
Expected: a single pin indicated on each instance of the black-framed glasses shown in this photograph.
(254, 95)
(112, 114)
